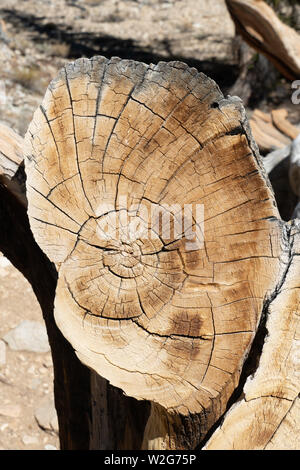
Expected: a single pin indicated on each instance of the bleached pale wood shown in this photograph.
(267, 416)
(11, 163)
(262, 29)
(272, 159)
(158, 321)
(265, 134)
(280, 119)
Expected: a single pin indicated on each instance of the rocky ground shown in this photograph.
(27, 414)
(37, 37)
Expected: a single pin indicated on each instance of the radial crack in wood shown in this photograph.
(165, 320)
(267, 416)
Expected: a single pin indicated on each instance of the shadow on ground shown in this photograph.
(88, 44)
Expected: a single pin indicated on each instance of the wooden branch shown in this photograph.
(279, 118)
(278, 167)
(11, 154)
(257, 23)
(266, 135)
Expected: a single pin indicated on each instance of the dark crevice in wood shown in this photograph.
(251, 363)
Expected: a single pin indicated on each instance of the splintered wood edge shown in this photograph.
(173, 359)
(262, 29)
(268, 415)
(11, 163)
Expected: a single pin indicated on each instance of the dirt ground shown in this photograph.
(26, 377)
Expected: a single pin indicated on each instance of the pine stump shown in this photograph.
(146, 190)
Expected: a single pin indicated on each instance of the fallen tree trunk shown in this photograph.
(258, 24)
(178, 328)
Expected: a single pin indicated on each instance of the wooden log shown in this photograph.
(267, 416)
(279, 118)
(91, 413)
(162, 322)
(257, 23)
(12, 173)
(243, 241)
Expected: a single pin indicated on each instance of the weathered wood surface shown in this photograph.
(260, 395)
(160, 322)
(90, 416)
(266, 134)
(280, 119)
(262, 29)
(11, 154)
(268, 414)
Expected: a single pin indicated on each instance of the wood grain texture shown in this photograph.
(280, 119)
(11, 153)
(267, 136)
(12, 174)
(259, 25)
(267, 416)
(159, 321)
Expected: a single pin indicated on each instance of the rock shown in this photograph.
(46, 416)
(29, 440)
(11, 411)
(50, 447)
(47, 363)
(35, 383)
(2, 353)
(28, 336)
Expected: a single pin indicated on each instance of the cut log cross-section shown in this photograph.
(161, 318)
